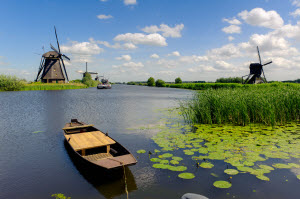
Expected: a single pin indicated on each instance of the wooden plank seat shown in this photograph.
(88, 140)
(98, 156)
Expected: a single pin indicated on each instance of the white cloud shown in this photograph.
(232, 29)
(223, 65)
(175, 53)
(296, 13)
(154, 39)
(230, 38)
(260, 17)
(154, 56)
(232, 21)
(104, 16)
(126, 46)
(83, 48)
(129, 65)
(130, 2)
(166, 30)
(225, 52)
(124, 58)
(296, 3)
(167, 63)
(193, 59)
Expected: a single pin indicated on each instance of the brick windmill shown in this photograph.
(52, 66)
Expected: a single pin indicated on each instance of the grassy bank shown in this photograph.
(269, 104)
(205, 86)
(54, 86)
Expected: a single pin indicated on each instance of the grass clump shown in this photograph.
(269, 104)
(11, 83)
(52, 86)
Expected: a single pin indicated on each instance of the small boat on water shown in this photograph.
(96, 147)
(104, 84)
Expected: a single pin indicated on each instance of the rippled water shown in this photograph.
(36, 163)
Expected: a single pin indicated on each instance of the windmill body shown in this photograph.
(52, 68)
(256, 69)
(52, 72)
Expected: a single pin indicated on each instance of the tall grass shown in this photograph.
(52, 86)
(266, 104)
(11, 83)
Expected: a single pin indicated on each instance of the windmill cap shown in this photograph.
(51, 54)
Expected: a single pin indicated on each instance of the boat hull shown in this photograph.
(113, 162)
(103, 86)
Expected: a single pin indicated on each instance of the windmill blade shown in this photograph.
(270, 62)
(65, 57)
(264, 74)
(52, 47)
(65, 69)
(40, 68)
(258, 55)
(57, 40)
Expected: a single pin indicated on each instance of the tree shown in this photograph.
(160, 83)
(87, 79)
(151, 81)
(178, 80)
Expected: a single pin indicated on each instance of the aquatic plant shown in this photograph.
(274, 104)
(141, 151)
(186, 175)
(60, 196)
(231, 171)
(222, 184)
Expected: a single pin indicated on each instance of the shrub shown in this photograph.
(230, 80)
(151, 81)
(160, 83)
(178, 80)
(10, 83)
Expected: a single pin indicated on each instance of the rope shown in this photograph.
(125, 179)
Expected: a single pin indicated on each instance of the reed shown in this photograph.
(267, 104)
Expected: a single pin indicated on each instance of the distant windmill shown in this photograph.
(86, 71)
(50, 70)
(255, 72)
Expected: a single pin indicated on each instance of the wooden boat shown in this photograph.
(95, 147)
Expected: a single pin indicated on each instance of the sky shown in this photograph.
(132, 40)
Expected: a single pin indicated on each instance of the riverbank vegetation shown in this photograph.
(52, 86)
(269, 104)
(11, 83)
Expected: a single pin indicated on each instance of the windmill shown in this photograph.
(86, 71)
(50, 70)
(255, 72)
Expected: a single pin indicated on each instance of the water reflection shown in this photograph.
(108, 183)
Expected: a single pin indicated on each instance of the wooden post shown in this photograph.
(108, 149)
(83, 152)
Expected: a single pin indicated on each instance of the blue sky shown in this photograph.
(134, 39)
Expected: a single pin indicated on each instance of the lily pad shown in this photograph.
(160, 166)
(206, 165)
(262, 177)
(298, 176)
(231, 171)
(167, 155)
(156, 151)
(266, 167)
(178, 168)
(155, 160)
(215, 175)
(164, 161)
(174, 162)
(222, 184)
(282, 166)
(177, 158)
(141, 151)
(186, 175)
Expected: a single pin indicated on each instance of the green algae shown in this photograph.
(186, 176)
(222, 184)
(231, 171)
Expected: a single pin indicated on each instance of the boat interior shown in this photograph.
(91, 143)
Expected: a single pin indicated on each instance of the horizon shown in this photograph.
(132, 40)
